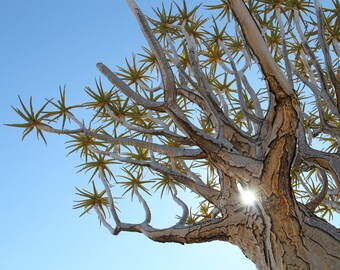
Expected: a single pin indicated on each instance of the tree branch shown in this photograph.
(209, 194)
(113, 78)
(168, 77)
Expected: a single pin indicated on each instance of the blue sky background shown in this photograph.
(45, 44)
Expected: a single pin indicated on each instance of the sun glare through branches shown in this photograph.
(248, 197)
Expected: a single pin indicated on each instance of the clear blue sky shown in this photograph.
(45, 44)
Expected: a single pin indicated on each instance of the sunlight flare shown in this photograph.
(248, 197)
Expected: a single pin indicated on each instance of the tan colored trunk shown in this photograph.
(284, 234)
(270, 236)
(275, 241)
(277, 232)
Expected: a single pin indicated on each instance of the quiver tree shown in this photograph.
(231, 107)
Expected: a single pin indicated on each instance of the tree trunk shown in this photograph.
(277, 232)
(284, 234)
(299, 240)
(267, 234)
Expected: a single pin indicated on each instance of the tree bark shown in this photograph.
(269, 235)
(273, 239)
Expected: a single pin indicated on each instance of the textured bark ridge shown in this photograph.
(277, 241)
